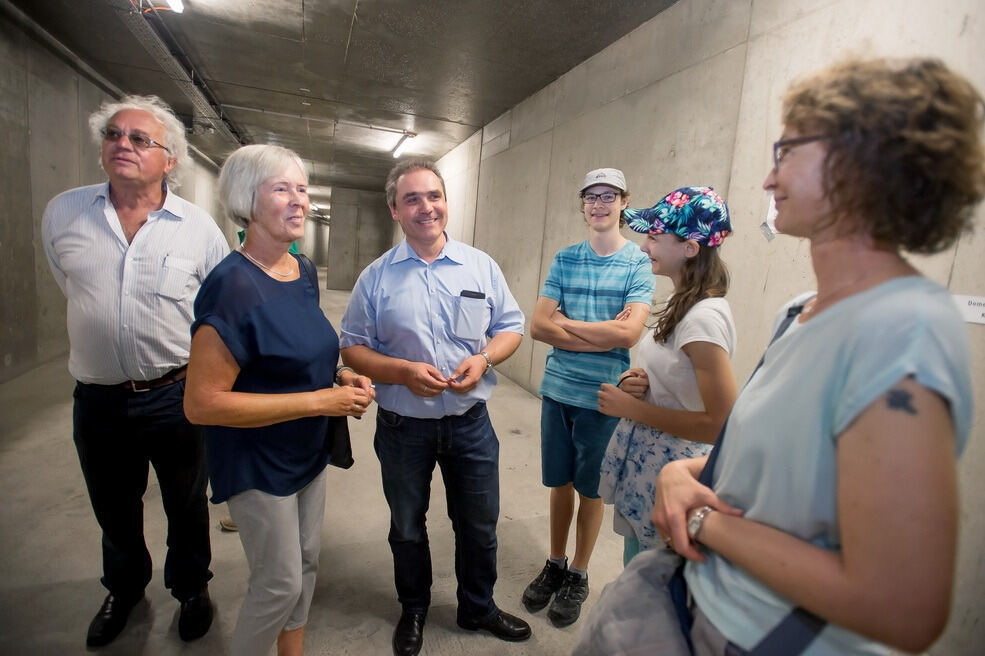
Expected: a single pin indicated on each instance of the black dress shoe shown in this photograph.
(110, 619)
(409, 634)
(195, 617)
(502, 625)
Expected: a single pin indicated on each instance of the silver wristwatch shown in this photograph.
(697, 521)
(488, 360)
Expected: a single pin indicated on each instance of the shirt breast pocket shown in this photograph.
(176, 275)
(471, 317)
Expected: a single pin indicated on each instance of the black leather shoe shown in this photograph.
(502, 625)
(195, 617)
(110, 620)
(409, 634)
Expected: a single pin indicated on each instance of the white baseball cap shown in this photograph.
(611, 177)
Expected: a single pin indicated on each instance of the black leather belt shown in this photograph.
(169, 378)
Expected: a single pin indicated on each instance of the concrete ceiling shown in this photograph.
(313, 75)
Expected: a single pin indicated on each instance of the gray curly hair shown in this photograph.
(174, 131)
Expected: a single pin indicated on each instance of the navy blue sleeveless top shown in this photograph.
(283, 343)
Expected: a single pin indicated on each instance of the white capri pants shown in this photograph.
(282, 538)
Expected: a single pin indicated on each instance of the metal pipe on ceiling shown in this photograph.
(194, 90)
(69, 57)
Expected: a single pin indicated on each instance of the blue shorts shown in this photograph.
(572, 443)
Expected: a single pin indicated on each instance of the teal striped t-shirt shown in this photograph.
(589, 287)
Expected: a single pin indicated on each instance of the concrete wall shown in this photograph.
(316, 240)
(693, 97)
(362, 229)
(45, 149)
(198, 182)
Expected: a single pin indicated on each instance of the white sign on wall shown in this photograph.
(768, 227)
(972, 307)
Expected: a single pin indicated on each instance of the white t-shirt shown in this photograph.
(636, 452)
(670, 372)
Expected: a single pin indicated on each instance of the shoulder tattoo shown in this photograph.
(900, 399)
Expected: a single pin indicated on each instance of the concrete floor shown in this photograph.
(49, 573)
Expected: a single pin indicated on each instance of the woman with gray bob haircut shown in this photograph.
(245, 171)
(261, 378)
(175, 144)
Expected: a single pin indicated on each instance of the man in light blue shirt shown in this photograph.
(427, 321)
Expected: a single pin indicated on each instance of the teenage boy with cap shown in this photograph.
(591, 310)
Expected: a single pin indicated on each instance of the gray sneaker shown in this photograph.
(542, 588)
(567, 602)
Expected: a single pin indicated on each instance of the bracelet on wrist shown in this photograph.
(697, 522)
(489, 362)
(340, 371)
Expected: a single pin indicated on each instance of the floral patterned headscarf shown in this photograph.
(696, 213)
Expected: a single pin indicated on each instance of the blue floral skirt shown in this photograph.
(635, 455)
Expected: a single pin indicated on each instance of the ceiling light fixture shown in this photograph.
(402, 144)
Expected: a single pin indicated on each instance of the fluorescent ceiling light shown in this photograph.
(402, 144)
(176, 6)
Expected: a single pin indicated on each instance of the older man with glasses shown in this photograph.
(130, 255)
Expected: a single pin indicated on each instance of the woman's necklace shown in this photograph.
(242, 249)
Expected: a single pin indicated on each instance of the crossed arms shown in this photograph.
(551, 326)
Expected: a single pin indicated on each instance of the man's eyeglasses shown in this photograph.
(138, 139)
(781, 147)
(605, 197)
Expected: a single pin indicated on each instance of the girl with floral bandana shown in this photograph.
(674, 404)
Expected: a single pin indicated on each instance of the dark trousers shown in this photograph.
(117, 434)
(467, 450)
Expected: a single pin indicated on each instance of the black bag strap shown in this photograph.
(791, 636)
(799, 628)
(309, 268)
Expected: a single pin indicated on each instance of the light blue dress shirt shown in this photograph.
(403, 307)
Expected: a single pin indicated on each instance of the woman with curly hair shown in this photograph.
(835, 490)
(825, 520)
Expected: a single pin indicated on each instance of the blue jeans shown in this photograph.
(467, 450)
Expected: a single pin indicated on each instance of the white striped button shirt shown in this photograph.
(129, 305)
